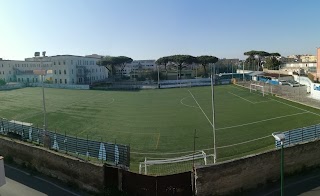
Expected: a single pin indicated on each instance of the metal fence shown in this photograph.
(115, 154)
(300, 135)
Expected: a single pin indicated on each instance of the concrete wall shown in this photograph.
(12, 86)
(65, 86)
(87, 176)
(252, 171)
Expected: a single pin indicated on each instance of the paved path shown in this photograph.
(306, 184)
(21, 182)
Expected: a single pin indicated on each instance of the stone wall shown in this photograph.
(87, 176)
(253, 171)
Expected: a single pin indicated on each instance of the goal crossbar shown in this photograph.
(255, 88)
(200, 155)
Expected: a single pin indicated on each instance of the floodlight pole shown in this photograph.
(282, 168)
(43, 101)
(37, 54)
(158, 77)
(213, 123)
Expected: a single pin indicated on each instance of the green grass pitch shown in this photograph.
(163, 121)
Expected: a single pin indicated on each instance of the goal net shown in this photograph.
(257, 88)
(166, 166)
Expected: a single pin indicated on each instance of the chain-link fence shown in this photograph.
(115, 154)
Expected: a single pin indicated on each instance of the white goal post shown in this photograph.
(143, 166)
(257, 87)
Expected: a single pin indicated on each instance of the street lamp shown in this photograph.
(281, 138)
(37, 55)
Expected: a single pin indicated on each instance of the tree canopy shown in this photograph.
(112, 63)
(205, 60)
(253, 62)
(179, 60)
(272, 63)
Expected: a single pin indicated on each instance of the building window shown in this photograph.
(71, 62)
(60, 81)
(55, 81)
(72, 71)
(59, 62)
(22, 79)
(65, 72)
(55, 71)
(65, 81)
(64, 62)
(54, 63)
(32, 79)
(27, 79)
(59, 71)
(36, 79)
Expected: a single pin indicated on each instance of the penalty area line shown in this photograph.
(261, 121)
(200, 108)
(158, 140)
(241, 98)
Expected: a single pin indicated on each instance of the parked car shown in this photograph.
(283, 82)
(293, 83)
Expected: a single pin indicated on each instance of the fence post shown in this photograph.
(65, 142)
(145, 165)
(77, 146)
(22, 134)
(38, 135)
(290, 137)
(102, 154)
(87, 148)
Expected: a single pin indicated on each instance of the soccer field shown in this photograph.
(163, 121)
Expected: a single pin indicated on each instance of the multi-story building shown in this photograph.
(308, 58)
(137, 66)
(60, 69)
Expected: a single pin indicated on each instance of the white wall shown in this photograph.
(315, 88)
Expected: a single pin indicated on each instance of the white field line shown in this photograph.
(263, 101)
(242, 98)
(296, 107)
(244, 142)
(186, 152)
(262, 121)
(237, 88)
(201, 108)
(181, 101)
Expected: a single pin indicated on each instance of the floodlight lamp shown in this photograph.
(44, 53)
(279, 137)
(36, 54)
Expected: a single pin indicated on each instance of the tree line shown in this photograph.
(254, 61)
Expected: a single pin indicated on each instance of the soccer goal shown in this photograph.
(172, 165)
(257, 88)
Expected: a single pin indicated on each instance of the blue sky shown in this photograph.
(149, 29)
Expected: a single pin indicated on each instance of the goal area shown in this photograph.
(152, 166)
(257, 88)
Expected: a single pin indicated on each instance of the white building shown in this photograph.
(60, 69)
(137, 66)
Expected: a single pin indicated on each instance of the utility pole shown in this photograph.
(213, 115)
